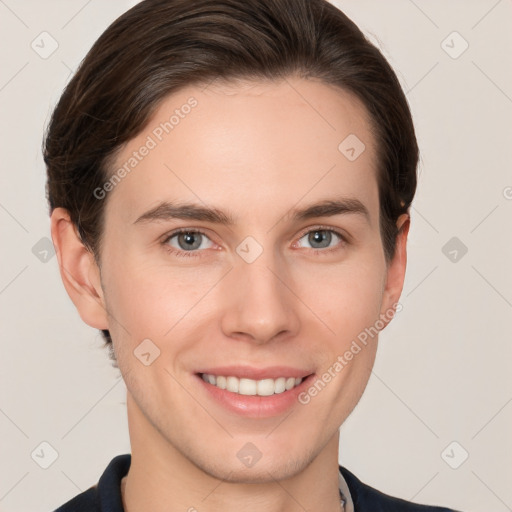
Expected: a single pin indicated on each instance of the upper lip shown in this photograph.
(250, 372)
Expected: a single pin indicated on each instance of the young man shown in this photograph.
(229, 184)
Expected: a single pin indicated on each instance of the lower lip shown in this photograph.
(255, 406)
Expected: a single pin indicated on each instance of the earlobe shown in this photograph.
(396, 270)
(79, 270)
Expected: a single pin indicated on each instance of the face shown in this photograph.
(272, 295)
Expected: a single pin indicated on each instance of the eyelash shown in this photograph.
(195, 253)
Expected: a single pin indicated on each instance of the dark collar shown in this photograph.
(367, 498)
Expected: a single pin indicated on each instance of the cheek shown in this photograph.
(346, 298)
(349, 304)
(148, 300)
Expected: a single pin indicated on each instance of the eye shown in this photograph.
(321, 238)
(188, 242)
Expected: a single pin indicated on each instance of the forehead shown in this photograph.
(254, 144)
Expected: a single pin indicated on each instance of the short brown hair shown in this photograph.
(160, 46)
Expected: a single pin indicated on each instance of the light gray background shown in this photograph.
(443, 370)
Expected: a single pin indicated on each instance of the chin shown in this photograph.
(269, 470)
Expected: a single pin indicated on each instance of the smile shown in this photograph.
(250, 387)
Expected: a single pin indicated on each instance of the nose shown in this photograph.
(260, 305)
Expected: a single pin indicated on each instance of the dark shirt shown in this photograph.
(105, 496)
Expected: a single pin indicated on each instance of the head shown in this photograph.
(231, 119)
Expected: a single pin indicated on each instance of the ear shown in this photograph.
(78, 270)
(396, 270)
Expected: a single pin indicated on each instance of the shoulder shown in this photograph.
(106, 494)
(367, 498)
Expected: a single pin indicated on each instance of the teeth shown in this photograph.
(232, 383)
(280, 385)
(221, 382)
(265, 387)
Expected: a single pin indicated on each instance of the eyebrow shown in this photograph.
(168, 210)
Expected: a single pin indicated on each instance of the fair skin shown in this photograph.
(257, 150)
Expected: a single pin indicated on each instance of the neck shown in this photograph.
(164, 477)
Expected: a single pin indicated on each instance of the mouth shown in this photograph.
(254, 393)
(252, 387)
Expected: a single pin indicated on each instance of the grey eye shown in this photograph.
(188, 240)
(320, 238)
